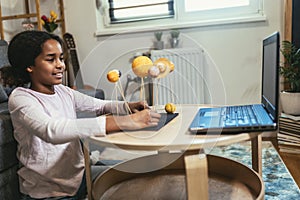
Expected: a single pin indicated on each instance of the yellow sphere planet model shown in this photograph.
(170, 108)
(113, 75)
(141, 66)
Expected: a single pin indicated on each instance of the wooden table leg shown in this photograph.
(86, 151)
(197, 176)
(256, 146)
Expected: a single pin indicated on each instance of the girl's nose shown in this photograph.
(60, 64)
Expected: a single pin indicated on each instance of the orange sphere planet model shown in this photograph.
(172, 66)
(165, 66)
(168, 63)
(113, 75)
(170, 108)
(141, 65)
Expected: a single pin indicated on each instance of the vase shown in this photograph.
(290, 102)
(174, 42)
(159, 45)
(50, 27)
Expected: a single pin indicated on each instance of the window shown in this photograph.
(198, 5)
(121, 11)
(115, 16)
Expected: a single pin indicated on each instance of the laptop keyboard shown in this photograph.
(241, 115)
(263, 117)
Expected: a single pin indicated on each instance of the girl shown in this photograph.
(44, 118)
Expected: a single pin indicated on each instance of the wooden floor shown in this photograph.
(292, 161)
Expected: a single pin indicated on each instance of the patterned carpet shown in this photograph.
(279, 183)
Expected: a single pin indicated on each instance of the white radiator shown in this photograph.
(185, 85)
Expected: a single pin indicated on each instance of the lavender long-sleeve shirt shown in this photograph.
(47, 132)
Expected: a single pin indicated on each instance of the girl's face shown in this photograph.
(48, 68)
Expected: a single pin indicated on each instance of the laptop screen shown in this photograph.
(270, 76)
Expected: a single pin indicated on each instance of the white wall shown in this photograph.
(235, 49)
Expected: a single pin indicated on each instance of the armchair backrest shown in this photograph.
(3, 53)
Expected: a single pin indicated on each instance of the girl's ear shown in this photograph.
(29, 69)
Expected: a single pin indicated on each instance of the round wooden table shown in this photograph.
(175, 136)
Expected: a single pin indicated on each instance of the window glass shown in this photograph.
(198, 5)
(121, 11)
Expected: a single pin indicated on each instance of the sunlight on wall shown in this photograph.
(197, 5)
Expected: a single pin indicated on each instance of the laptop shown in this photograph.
(248, 118)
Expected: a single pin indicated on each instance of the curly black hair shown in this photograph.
(22, 52)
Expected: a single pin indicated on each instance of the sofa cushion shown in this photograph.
(4, 62)
(9, 164)
(3, 53)
(8, 145)
(4, 108)
(6, 129)
(3, 94)
(9, 184)
(8, 155)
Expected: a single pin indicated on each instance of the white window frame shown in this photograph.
(182, 19)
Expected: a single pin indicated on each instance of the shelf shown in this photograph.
(36, 15)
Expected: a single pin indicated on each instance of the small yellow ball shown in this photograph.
(113, 75)
(170, 108)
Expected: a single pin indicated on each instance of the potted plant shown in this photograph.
(290, 70)
(174, 38)
(49, 23)
(158, 44)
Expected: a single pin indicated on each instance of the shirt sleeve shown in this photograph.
(84, 102)
(28, 113)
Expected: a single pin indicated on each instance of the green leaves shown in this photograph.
(175, 33)
(50, 27)
(290, 67)
(158, 35)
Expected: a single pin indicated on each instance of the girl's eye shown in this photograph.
(50, 59)
(53, 59)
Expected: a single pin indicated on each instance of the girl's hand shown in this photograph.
(138, 106)
(142, 119)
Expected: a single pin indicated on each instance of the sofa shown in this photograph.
(9, 183)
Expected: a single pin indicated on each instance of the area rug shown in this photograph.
(279, 183)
